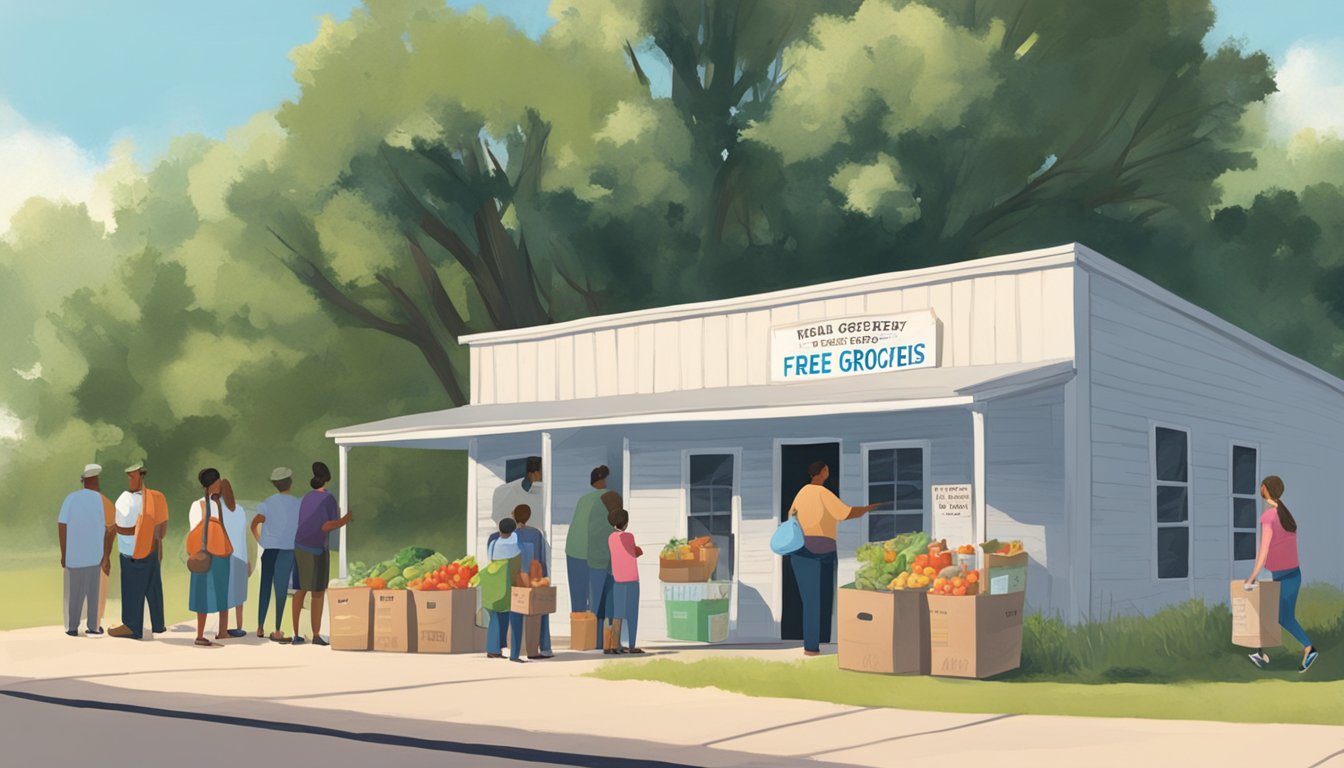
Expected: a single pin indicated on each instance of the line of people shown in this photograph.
(292, 534)
(601, 559)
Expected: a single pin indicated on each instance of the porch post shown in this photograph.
(625, 471)
(473, 504)
(343, 499)
(978, 496)
(547, 482)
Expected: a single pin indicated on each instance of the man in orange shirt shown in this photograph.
(141, 524)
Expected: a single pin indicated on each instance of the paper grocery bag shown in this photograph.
(582, 631)
(1255, 615)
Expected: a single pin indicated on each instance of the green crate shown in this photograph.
(702, 621)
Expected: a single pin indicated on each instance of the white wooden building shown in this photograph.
(1119, 431)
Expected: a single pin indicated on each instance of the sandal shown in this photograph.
(279, 637)
(204, 643)
(635, 650)
(261, 633)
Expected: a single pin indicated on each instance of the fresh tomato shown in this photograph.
(444, 586)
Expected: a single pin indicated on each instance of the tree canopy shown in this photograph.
(441, 173)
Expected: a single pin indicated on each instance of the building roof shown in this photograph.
(874, 393)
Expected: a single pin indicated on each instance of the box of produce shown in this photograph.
(1005, 568)
(1255, 615)
(703, 621)
(683, 561)
(709, 590)
(350, 612)
(977, 637)
(393, 620)
(880, 563)
(445, 621)
(582, 631)
(534, 601)
(437, 574)
(883, 631)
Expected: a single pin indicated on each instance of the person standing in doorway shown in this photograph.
(209, 591)
(85, 531)
(278, 518)
(1278, 554)
(319, 515)
(526, 490)
(141, 524)
(532, 544)
(819, 512)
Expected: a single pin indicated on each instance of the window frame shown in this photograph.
(926, 502)
(504, 476)
(684, 518)
(1189, 486)
(1232, 496)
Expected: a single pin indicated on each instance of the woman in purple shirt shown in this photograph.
(318, 516)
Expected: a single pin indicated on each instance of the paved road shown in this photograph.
(75, 723)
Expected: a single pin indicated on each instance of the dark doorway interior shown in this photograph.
(793, 463)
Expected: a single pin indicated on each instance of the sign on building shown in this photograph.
(854, 346)
(953, 514)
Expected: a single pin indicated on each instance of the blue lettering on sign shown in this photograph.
(855, 361)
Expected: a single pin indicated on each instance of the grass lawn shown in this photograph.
(1177, 664)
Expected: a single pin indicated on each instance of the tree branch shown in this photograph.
(315, 278)
(438, 296)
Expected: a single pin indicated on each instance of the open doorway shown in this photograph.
(793, 462)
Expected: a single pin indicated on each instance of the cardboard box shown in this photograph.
(884, 632)
(1255, 615)
(703, 621)
(350, 618)
(445, 621)
(534, 601)
(392, 620)
(583, 631)
(690, 571)
(1005, 574)
(977, 636)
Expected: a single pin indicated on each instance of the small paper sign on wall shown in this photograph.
(953, 514)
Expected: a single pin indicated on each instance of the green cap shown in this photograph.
(138, 466)
(281, 473)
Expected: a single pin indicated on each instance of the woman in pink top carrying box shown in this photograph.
(1278, 554)
(625, 574)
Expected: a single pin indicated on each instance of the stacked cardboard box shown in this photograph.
(699, 569)
(351, 618)
(886, 632)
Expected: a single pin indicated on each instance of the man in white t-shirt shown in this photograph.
(525, 491)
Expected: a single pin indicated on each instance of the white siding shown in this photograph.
(1151, 363)
(1017, 316)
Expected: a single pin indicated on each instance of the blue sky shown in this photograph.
(79, 76)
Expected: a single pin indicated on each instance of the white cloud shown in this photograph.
(10, 426)
(37, 163)
(1311, 90)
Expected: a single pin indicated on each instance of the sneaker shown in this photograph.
(494, 655)
(298, 640)
(1309, 660)
(1259, 659)
(519, 661)
(72, 632)
(319, 641)
(123, 631)
(97, 631)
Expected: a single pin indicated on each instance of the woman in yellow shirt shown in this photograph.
(819, 513)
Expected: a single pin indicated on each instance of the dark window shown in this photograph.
(515, 469)
(895, 480)
(1171, 495)
(710, 502)
(1245, 501)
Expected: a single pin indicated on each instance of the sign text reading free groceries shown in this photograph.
(827, 349)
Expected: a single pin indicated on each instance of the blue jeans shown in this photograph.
(276, 565)
(578, 584)
(1290, 582)
(599, 598)
(625, 606)
(507, 626)
(816, 586)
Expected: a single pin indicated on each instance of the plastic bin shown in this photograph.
(709, 590)
(702, 621)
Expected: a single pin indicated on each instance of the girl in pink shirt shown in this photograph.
(1278, 554)
(625, 575)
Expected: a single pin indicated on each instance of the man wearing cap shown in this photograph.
(84, 529)
(278, 517)
(141, 524)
